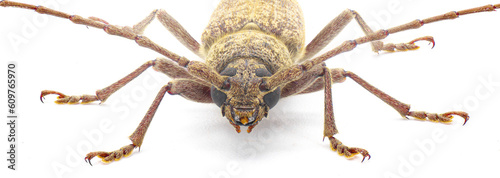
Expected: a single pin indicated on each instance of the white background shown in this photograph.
(188, 139)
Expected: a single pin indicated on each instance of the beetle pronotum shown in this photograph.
(111, 22)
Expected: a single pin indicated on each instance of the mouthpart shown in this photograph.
(245, 116)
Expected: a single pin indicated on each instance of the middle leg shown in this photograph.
(162, 65)
(338, 75)
(402, 108)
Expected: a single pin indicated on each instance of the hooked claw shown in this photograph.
(49, 92)
(425, 38)
(365, 154)
(444, 118)
(458, 113)
(108, 157)
(65, 99)
(390, 47)
(89, 158)
(346, 151)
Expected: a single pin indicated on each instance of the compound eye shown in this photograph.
(271, 99)
(262, 72)
(228, 72)
(218, 97)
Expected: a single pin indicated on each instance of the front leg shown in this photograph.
(329, 127)
(137, 137)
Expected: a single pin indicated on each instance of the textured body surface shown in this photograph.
(279, 19)
(251, 51)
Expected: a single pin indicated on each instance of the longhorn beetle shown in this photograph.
(254, 54)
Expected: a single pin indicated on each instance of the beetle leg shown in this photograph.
(336, 25)
(108, 157)
(141, 26)
(329, 127)
(102, 94)
(179, 32)
(390, 47)
(137, 137)
(305, 84)
(196, 68)
(332, 29)
(327, 34)
(348, 152)
(172, 26)
(65, 99)
(191, 89)
(162, 65)
(131, 33)
(402, 108)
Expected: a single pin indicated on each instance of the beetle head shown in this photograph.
(240, 98)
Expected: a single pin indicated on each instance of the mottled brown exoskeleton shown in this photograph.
(255, 54)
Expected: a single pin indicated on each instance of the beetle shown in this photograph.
(251, 64)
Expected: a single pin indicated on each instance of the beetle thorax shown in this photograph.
(249, 43)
